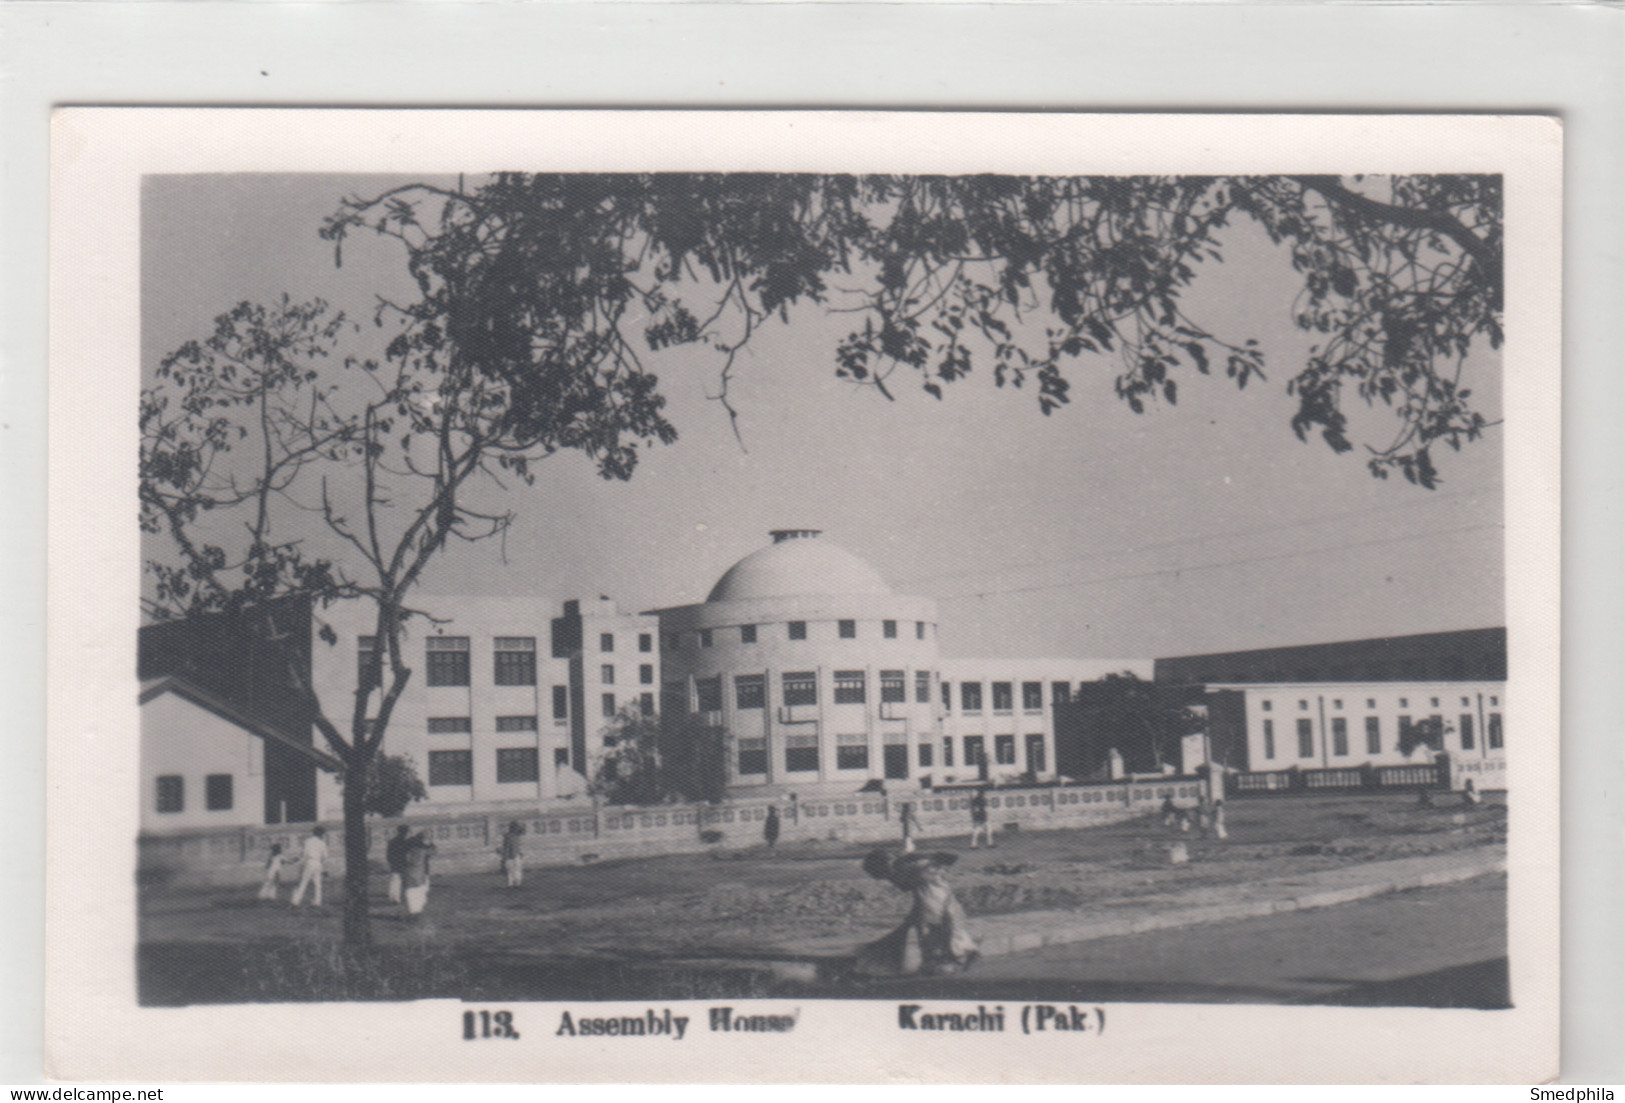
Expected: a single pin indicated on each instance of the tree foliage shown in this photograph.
(392, 783)
(655, 760)
(553, 280)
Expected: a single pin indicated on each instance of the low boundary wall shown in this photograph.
(555, 836)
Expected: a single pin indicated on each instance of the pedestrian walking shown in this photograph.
(933, 939)
(911, 827)
(513, 854)
(1219, 831)
(770, 829)
(418, 849)
(1470, 795)
(978, 819)
(314, 854)
(1170, 812)
(395, 859)
(272, 883)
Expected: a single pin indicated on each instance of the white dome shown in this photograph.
(798, 563)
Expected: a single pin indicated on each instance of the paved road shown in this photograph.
(1436, 947)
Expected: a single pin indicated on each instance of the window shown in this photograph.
(646, 674)
(171, 793)
(747, 633)
(975, 750)
(849, 687)
(1035, 752)
(947, 696)
(1306, 738)
(516, 660)
(1340, 735)
(646, 704)
(925, 755)
(1492, 731)
(607, 705)
(518, 764)
(1269, 739)
(606, 642)
(1436, 732)
(919, 629)
(848, 629)
(852, 751)
(1404, 704)
(922, 687)
(606, 674)
(888, 629)
(1466, 702)
(1003, 697)
(1433, 702)
(708, 693)
(798, 629)
(368, 668)
(1032, 696)
(217, 792)
(561, 702)
(948, 751)
(451, 767)
(646, 642)
(561, 756)
(1337, 704)
(445, 725)
(800, 754)
(893, 689)
(970, 696)
(753, 756)
(1267, 705)
(800, 688)
(1303, 706)
(750, 691)
(1370, 702)
(705, 637)
(1404, 732)
(1060, 692)
(1466, 731)
(1373, 735)
(1004, 750)
(516, 724)
(448, 661)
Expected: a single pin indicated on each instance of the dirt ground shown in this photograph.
(742, 903)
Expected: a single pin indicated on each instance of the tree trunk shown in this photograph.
(357, 925)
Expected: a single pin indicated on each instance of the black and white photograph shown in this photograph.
(798, 576)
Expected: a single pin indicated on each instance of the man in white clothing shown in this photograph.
(315, 855)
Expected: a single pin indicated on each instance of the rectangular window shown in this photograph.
(922, 687)
(217, 792)
(888, 629)
(1373, 735)
(975, 750)
(750, 691)
(800, 688)
(516, 660)
(1404, 731)
(852, 752)
(1036, 759)
(1060, 692)
(606, 674)
(1267, 705)
(561, 756)
(948, 751)
(801, 754)
(448, 661)
(606, 642)
(753, 756)
(798, 629)
(893, 689)
(518, 764)
(708, 693)
(850, 688)
(1032, 696)
(516, 723)
(646, 642)
(1004, 750)
(368, 668)
(705, 637)
(1003, 697)
(1340, 735)
(646, 704)
(747, 633)
(925, 755)
(607, 705)
(1467, 743)
(171, 793)
(970, 696)
(947, 696)
(1306, 738)
(646, 674)
(848, 629)
(445, 725)
(1269, 739)
(1492, 731)
(1436, 731)
(451, 767)
(561, 702)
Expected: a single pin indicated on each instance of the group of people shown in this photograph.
(312, 869)
(406, 855)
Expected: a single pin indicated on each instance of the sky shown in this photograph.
(1093, 532)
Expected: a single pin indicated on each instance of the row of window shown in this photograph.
(1411, 734)
(852, 753)
(513, 764)
(608, 705)
(217, 793)
(513, 660)
(1445, 668)
(1268, 704)
(1032, 696)
(799, 687)
(796, 629)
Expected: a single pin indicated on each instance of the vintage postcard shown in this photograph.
(768, 597)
